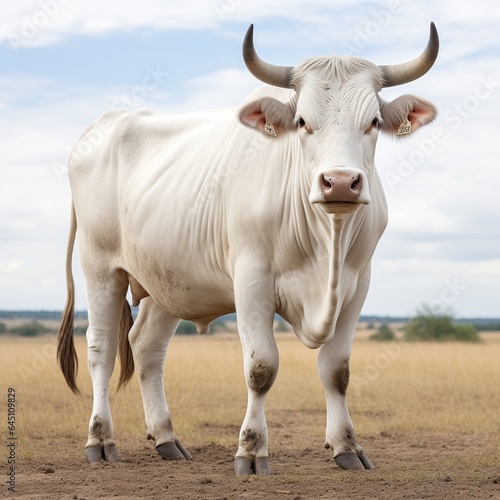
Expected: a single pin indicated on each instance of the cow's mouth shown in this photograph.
(341, 203)
(340, 207)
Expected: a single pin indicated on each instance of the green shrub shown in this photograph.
(467, 333)
(433, 325)
(383, 334)
(30, 329)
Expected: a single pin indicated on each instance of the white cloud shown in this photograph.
(223, 88)
(34, 23)
(402, 285)
(12, 266)
(44, 22)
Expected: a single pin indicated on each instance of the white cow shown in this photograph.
(274, 207)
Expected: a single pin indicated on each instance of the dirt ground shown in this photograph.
(428, 419)
(415, 468)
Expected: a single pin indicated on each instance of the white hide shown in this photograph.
(208, 216)
(186, 195)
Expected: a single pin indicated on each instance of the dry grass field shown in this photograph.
(427, 415)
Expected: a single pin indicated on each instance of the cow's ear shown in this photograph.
(269, 116)
(406, 114)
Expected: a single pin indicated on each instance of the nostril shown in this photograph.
(327, 182)
(356, 185)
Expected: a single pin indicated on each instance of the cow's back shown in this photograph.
(122, 158)
(150, 197)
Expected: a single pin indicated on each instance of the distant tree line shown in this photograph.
(35, 328)
(27, 330)
(493, 326)
(39, 315)
(429, 324)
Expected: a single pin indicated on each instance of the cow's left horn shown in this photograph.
(409, 71)
(279, 76)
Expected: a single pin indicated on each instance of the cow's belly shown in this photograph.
(190, 299)
(182, 282)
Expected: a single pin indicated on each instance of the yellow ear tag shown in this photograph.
(404, 128)
(269, 129)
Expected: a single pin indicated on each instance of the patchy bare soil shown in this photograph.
(407, 468)
(428, 418)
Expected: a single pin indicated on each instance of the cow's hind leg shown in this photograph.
(106, 297)
(333, 367)
(149, 339)
(255, 307)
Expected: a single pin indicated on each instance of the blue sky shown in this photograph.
(64, 62)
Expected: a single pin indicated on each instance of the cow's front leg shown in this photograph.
(255, 307)
(333, 367)
(149, 339)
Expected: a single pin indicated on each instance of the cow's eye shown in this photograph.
(301, 122)
(375, 122)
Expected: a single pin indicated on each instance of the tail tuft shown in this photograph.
(66, 353)
(124, 348)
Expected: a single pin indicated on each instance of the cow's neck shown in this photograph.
(320, 318)
(330, 308)
(326, 271)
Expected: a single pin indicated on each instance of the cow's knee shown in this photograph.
(261, 377)
(334, 374)
(340, 377)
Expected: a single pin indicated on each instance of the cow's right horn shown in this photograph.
(279, 76)
(398, 74)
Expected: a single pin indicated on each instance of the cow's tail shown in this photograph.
(66, 354)
(124, 348)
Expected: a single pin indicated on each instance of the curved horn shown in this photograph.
(409, 71)
(279, 76)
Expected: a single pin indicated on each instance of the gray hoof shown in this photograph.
(110, 453)
(365, 461)
(183, 450)
(173, 451)
(244, 466)
(96, 453)
(262, 466)
(350, 460)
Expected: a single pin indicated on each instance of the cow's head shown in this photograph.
(337, 112)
